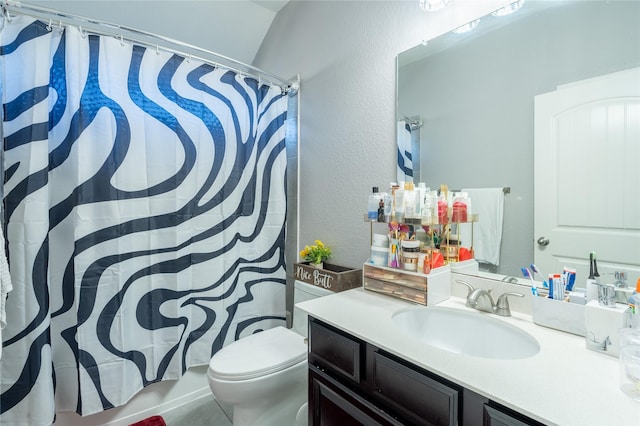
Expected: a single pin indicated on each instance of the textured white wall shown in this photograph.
(345, 54)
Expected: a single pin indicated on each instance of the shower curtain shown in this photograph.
(405, 152)
(145, 206)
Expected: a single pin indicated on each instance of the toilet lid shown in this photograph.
(258, 355)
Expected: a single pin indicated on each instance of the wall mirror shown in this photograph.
(470, 98)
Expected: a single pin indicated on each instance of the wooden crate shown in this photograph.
(332, 277)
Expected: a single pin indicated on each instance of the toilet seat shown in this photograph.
(258, 355)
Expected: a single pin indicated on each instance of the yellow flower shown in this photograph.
(316, 253)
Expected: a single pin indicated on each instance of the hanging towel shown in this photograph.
(488, 203)
(5, 286)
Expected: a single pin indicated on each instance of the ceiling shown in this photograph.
(233, 28)
(273, 5)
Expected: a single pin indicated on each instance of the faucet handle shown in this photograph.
(502, 305)
(469, 286)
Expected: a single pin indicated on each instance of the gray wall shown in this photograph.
(345, 54)
(477, 101)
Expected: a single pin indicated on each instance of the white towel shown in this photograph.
(488, 203)
(5, 286)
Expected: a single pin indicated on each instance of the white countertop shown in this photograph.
(564, 383)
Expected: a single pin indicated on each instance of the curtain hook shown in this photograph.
(60, 27)
(121, 40)
(50, 26)
(189, 58)
(82, 34)
(157, 49)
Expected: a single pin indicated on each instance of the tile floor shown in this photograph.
(201, 412)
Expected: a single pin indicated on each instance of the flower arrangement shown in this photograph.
(316, 253)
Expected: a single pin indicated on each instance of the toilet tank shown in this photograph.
(301, 292)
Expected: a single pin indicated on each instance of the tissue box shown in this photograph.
(603, 326)
(563, 316)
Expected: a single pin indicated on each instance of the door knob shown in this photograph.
(543, 241)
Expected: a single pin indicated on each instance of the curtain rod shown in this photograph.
(133, 35)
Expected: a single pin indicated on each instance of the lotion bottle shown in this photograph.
(372, 204)
(409, 200)
(421, 193)
(399, 203)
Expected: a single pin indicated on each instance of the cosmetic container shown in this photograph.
(603, 324)
(426, 261)
(442, 209)
(459, 208)
(429, 214)
(388, 206)
(410, 250)
(379, 255)
(381, 209)
(373, 204)
(380, 240)
(399, 204)
(421, 194)
(409, 200)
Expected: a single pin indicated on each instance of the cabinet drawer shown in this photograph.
(335, 350)
(412, 394)
(334, 404)
(495, 415)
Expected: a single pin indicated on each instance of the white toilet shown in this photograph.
(263, 377)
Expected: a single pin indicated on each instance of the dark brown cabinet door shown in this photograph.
(412, 394)
(352, 382)
(494, 416)
(332, 404)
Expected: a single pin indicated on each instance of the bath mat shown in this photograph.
(150, 421)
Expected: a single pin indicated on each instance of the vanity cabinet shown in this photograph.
(352, 382)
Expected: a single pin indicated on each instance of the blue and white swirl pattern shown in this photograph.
(145, 207)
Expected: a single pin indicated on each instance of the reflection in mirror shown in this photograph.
(470, 98)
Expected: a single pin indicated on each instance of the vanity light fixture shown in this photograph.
(509, 9)
(467, 27)
(433, 5)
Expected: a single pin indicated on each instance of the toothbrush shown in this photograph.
(535, 270)
(595, 267)
(528, 274)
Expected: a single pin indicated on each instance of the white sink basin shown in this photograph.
(463, 332)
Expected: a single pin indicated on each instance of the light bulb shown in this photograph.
(467, 27)
(509, 9)
(433, 5)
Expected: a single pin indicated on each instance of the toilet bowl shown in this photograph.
(263, 377)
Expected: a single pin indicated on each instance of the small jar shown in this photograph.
(410, 250)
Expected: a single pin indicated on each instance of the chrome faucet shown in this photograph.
(481, 300)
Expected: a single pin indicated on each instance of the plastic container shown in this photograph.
(373, 203)
(379, 255)
(380, 240)
(410, 249)
(630, 371)
(442, 209)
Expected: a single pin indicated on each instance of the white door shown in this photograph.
(587, 176)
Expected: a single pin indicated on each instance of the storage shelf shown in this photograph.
(417, 221)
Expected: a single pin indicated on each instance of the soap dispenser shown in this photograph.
(603, 318)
